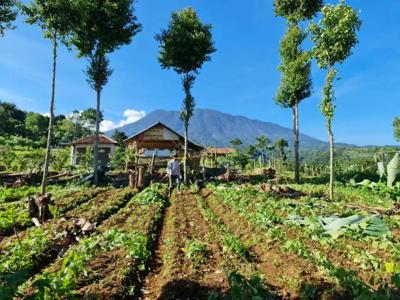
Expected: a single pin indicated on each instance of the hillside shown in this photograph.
(214, 128)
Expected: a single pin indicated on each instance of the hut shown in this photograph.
(153, 147)
(80, 146)
(212, 154)
(160, 140)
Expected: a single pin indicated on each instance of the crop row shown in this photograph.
(17, 216)
(22, 257)
(266, 214)
(109, 261)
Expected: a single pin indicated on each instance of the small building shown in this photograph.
(212, 154)
(160, 140)
(80, 146)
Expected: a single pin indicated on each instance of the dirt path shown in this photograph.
(173, 274)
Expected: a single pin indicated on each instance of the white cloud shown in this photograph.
(131, 115)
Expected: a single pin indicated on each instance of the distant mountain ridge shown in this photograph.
(213, 128)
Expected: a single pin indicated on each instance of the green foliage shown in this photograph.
(196, 251)
(8, 14)
(335, 35)
(98, 70)
(95, 18)
(236, 143)
(62, 283)
(327, 105)
(119, 136)
(53, 16)
(280, 146)
(118, 159)
(153, 194)
(186, 44)
(295, 69)
(12, 119)
(396, 126)
(238, 159)
(20, 260)
(297, 10)
(393, 170)
(36, 125)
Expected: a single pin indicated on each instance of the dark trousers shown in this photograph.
(174, 179)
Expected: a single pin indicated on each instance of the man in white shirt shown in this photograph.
(174, 174)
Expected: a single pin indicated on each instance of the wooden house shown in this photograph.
(161, 141)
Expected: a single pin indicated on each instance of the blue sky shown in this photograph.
(241, 79)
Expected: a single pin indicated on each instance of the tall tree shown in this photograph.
(334, 36)
(396, 126)
(280, 147)
(236, 143)
(54, 17)
(262, 145)
(184, 46)
(295, 65)
(102, 27)
(8, 13)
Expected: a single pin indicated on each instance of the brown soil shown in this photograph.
(173, 275)
(285, 272)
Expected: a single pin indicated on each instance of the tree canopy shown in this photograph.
(8, 14)
(335, 34)
(103, 25)
(295, 67)
(297, 10)
(186, 44)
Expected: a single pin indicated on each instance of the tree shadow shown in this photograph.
(186, 289)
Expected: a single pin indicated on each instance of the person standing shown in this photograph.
(174, 174)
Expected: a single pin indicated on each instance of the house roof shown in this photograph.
(89, 140)
(191, 144)
(219, 151)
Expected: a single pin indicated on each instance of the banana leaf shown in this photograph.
(381, 169)
(392, 170)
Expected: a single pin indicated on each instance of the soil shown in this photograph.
(173, 275)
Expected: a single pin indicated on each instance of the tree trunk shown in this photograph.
(331, 160)
(296, 143)
(50, 130)
(185, 167)
(96, 141)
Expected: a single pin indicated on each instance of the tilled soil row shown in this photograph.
(97, 210)
(288, 274)
(174, 276)
(110, 274)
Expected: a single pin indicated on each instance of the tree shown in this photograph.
(12, 120)
(334, 36)
(263, 146)
(295, 65)
(102, 27)
(87, 118)
(119, 136)
(8, 14)
(185, 46)
(236, 143)
(396, 126)
(54, 17)
(280, 147)
(36, 125)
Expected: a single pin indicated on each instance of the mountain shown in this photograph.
(213, 128)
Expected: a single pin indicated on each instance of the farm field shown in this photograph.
(225, 241)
